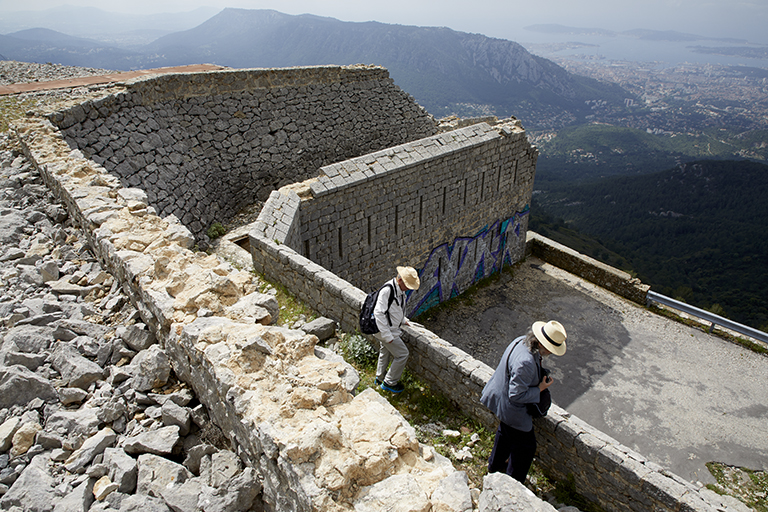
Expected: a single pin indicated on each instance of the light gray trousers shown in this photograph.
(396, 353)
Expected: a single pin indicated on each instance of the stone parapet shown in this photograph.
(604, 276)
(453, 205)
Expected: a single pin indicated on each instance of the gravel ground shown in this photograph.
(13, 72)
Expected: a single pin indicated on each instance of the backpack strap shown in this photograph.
(389, 303)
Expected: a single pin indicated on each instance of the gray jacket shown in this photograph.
(514, 384)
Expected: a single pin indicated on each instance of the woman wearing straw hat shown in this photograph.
(390, 317)
(515, 383)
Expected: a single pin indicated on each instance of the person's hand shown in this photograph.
(545, 382)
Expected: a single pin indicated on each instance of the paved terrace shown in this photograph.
(675, 394)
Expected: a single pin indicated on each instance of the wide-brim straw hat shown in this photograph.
(552, 335)
(409, 276)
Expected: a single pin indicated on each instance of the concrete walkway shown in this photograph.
(102, 79)
(675, 394)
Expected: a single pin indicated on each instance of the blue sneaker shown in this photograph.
(395, 388)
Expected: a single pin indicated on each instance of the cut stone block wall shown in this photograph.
(204, 145)
(453, 205)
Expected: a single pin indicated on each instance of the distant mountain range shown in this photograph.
(448, 72)
(116, 29)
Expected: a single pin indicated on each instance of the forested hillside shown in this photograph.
(695, 232)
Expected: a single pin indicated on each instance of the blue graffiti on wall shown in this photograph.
(452, 268)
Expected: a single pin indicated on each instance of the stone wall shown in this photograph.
(204, 145)
(286, 404)
(605, 276)
(453, 205)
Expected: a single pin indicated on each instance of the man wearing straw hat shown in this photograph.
(515, 383)
(390, 317)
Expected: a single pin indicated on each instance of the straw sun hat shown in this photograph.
(409, 276)
(552, 335)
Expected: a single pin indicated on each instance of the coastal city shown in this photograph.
(712, 94)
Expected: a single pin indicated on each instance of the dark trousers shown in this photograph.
(513, 452)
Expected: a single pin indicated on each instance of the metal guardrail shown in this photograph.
(707, 316)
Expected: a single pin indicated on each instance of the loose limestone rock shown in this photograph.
(34, 489)
(19, 386)
(7, 431)
(150, 369)
(501, 493)
(94, 445)
(79, 371)
(158, 442)
(156, 473)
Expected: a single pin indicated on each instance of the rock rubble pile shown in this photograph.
(91, 415)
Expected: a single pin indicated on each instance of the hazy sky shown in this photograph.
(746, 19)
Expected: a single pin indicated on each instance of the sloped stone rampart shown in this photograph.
(204, 145)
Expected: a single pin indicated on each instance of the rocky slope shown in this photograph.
(90, 410)
(91, 415)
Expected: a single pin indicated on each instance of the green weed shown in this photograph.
(216, 230)
(749, 486)
(11, 108)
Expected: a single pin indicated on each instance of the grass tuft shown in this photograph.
(749, 486)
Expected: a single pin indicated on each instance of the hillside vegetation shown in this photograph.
(695, 232)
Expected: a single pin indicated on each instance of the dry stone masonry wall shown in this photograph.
(204, 148)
